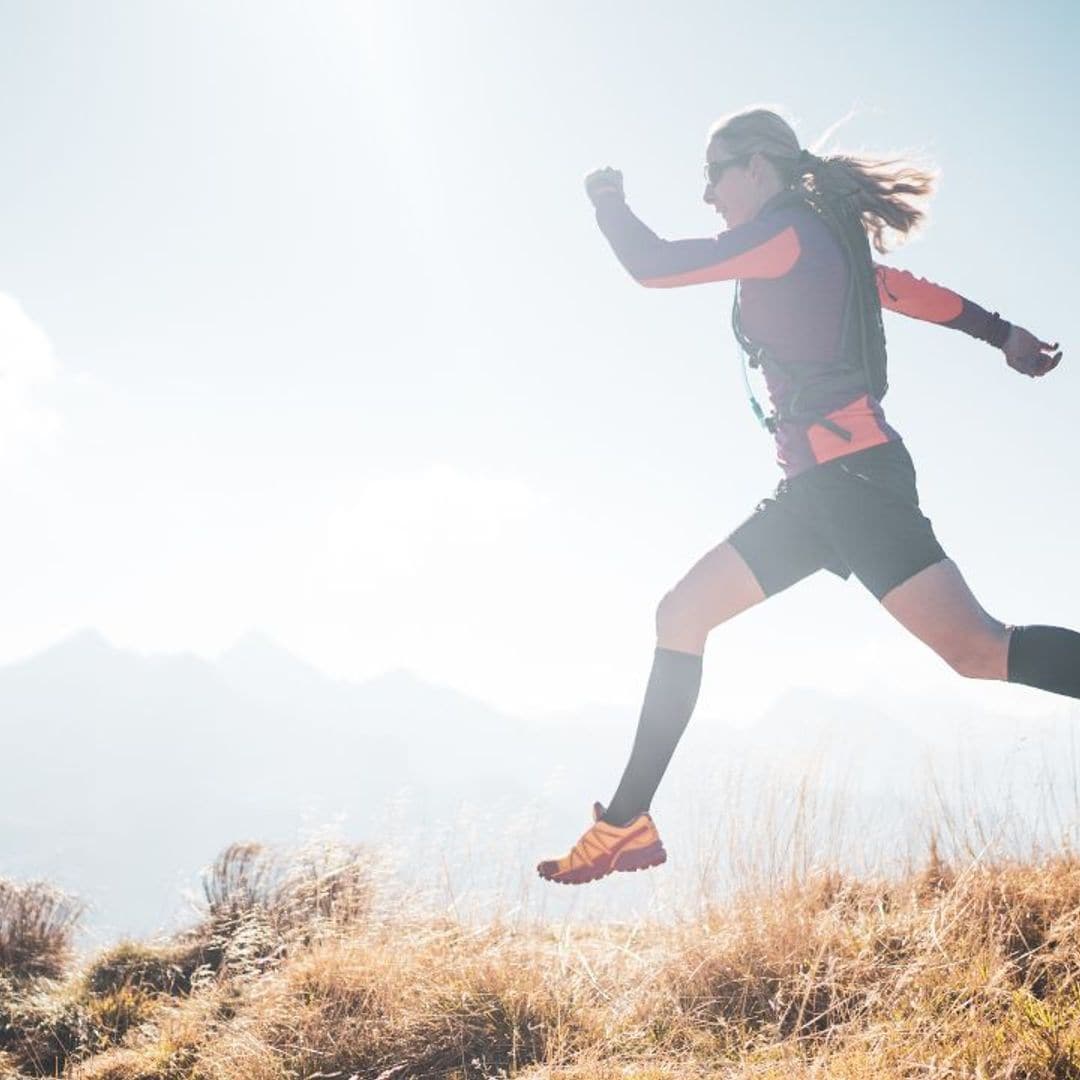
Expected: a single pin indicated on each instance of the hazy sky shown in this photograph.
(305, 324)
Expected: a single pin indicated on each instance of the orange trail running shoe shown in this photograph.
(604, 848)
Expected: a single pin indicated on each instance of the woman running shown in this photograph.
(808, 300)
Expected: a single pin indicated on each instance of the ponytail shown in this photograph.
(874, 190)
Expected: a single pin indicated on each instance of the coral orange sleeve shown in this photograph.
(918, 298)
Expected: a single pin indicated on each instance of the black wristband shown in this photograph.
(998, 332)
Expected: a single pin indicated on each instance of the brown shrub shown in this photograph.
(131, 965)
(260, 904)
(42, 1026)
(37, 924)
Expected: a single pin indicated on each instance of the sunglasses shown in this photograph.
(715, 169)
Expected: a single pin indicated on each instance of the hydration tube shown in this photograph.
(767, 422)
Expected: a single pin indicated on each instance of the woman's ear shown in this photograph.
(761, 168)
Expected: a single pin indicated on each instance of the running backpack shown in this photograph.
(861, 360)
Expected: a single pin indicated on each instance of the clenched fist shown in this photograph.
(601, 182)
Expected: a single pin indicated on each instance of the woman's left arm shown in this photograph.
(918, 298)
(1025, 353)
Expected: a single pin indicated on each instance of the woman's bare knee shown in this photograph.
(717, 588)
(679, 625)
(937, 606)
(981, 656)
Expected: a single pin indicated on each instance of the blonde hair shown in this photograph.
(886, 194)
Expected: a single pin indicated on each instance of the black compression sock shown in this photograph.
(1046, 657)
(670, 698)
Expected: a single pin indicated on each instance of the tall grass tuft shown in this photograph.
(37, 925)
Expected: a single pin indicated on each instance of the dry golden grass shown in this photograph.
(966, 966)
(949, 972)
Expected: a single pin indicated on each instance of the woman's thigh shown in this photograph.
(937, 606)
(716, 588)
(769, 552)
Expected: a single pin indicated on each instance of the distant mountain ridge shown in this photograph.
(125, 773)
(117, 758)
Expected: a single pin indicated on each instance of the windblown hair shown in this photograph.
(885, 193)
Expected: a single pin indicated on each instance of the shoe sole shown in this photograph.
(625, 861)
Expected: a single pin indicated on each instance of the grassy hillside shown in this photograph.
(322, 965)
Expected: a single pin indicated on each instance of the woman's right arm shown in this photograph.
(759, 249)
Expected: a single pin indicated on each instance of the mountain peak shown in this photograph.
(257, 664)
(256, 643)
(86, 643)
(87, 638)
(84, 652)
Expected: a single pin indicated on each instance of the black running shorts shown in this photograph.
(855, 514)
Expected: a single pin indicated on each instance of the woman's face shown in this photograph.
(735, 185)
